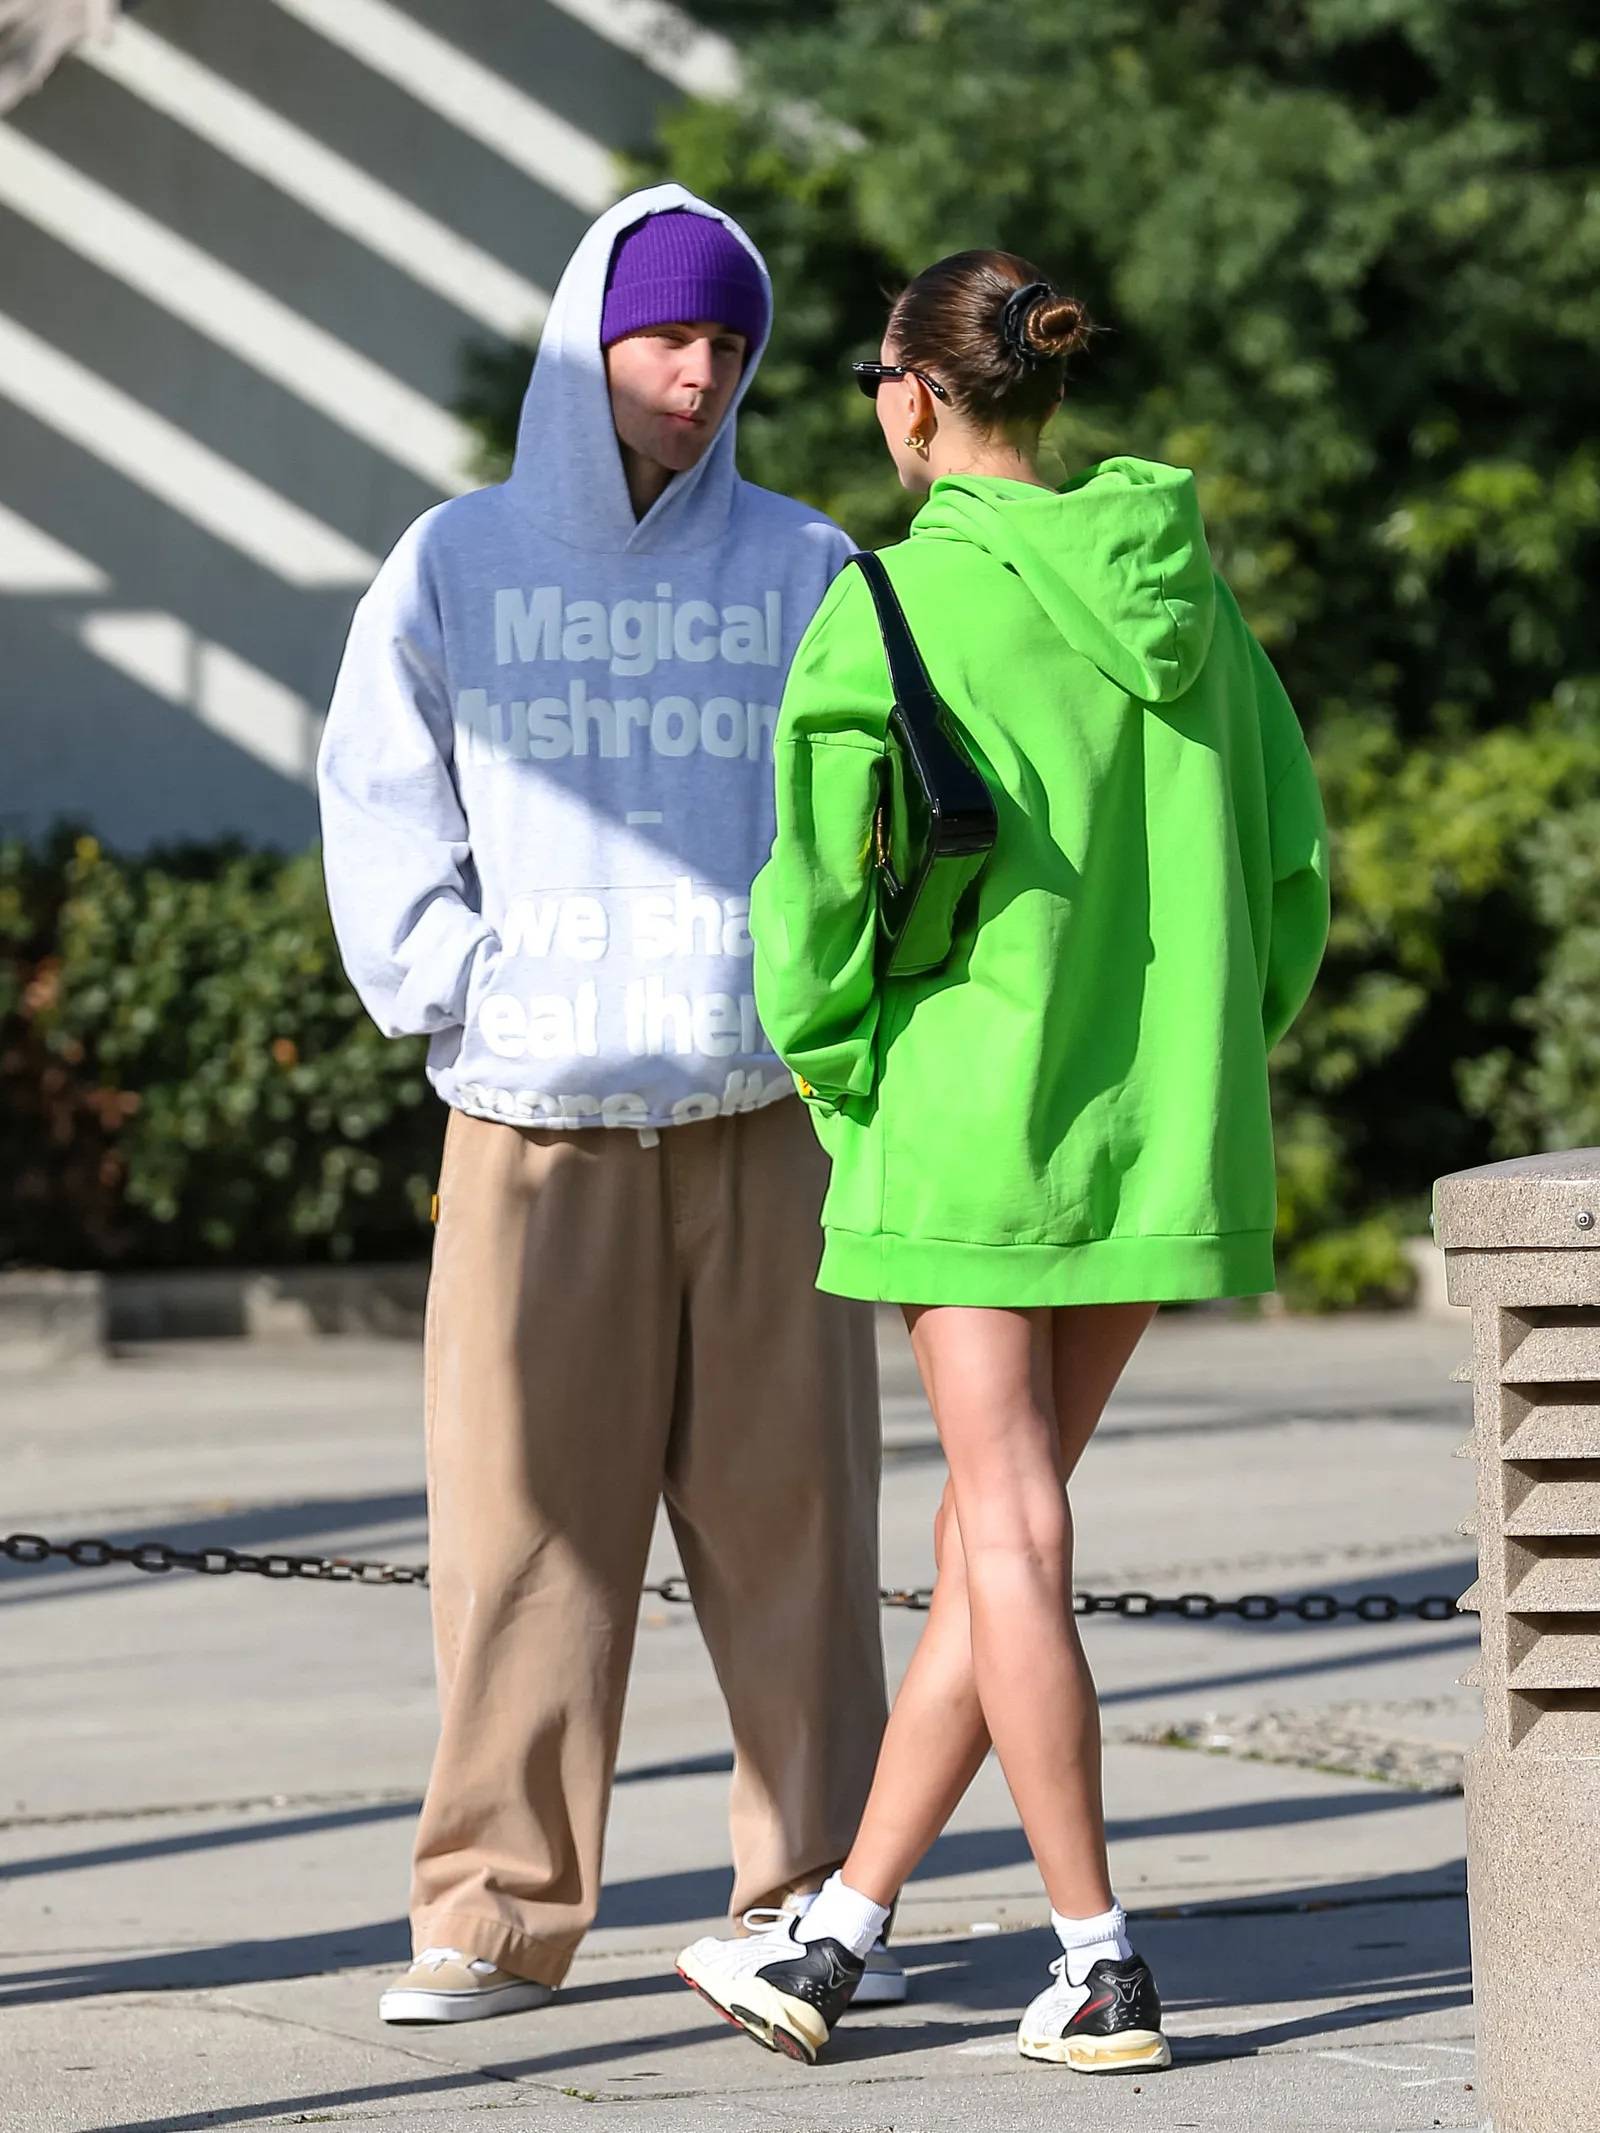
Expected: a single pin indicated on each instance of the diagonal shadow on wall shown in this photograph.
(213, 395)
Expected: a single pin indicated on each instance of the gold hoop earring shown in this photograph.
(914, 443)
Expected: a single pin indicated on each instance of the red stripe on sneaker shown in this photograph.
(1093, 2007)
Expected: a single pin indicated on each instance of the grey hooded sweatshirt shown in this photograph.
(546, 778)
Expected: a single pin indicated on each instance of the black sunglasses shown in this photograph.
(869, 376)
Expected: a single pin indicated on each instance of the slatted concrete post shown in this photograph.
(1522, 1247)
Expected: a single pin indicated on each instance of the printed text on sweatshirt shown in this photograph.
(547, 777)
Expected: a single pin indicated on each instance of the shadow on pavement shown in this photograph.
(652, 1900)
(207, 1840)
(663, 1899)
(1410, 1959)
(1402, 1937)
(1332, 1663)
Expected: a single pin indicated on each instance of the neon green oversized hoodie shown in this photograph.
(1074, 1109)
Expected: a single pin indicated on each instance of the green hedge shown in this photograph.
(186, 1077)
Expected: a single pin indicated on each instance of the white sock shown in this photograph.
(1088, 1941)
(845, 1915)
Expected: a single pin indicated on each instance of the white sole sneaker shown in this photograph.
(775, 2019)
(1124, 2053)
(406, 2003)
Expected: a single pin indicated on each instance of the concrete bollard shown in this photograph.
(1522, 1247)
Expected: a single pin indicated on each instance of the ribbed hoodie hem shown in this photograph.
(921, 1270)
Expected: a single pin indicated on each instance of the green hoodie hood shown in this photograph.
(1117, 559)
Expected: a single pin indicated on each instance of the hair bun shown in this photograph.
(994, 329)
(1056, 325)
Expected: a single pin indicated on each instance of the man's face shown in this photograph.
(670, 388)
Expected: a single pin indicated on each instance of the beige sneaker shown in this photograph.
(443, 1985)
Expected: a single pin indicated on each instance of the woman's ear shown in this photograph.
(921, 420)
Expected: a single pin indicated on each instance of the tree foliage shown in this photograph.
(1349, 255)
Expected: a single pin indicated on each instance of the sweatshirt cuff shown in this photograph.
(450, 958)
(814, 1099)
(483, 967)
(831, 1104)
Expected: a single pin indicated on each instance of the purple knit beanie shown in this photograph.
(675, 267)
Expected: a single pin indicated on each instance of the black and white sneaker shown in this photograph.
(1110, 2024)
(785, 1992)
(883, 1981)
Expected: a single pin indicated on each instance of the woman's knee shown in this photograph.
(1017, 1525)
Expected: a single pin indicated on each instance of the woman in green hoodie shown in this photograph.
(1066, 1124)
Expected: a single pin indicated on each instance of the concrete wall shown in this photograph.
(242, 248)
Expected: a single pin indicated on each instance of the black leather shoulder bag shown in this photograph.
(935, 824)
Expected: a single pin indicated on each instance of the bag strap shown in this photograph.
(908, 677)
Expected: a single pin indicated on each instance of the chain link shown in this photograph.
(158, 1557)
(212, 1561)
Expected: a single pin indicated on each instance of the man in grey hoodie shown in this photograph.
(546, 788)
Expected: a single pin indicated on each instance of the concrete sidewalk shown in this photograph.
(206, 1798)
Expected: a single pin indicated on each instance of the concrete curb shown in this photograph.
(49, 1318)
(289, 1303)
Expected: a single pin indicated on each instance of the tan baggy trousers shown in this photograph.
(609, 1323)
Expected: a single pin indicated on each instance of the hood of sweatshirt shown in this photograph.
(568, 467)
(546, 777)
(1117, 559)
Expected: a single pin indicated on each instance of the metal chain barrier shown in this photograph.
(161, 1556)
(158, 1556)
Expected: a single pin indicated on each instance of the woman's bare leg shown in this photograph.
(1091, 1346)
(935, 1741)
(990, 1375)
(937, 1735)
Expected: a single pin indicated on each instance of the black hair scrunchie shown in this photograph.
(1014, 322)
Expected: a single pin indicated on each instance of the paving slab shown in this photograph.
(208, 1787)
(1352, 2017)
(234, 1895)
